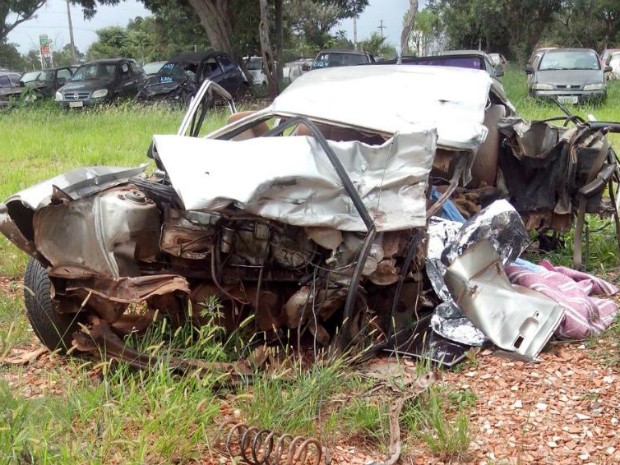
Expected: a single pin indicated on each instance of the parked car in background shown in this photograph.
(613, 61)
(255, 66)
(293, 69)
(570, 75)
(471, 59)
(533, 61)
(153, 67)
(333, 58)
(180, 77)
(9, 87)
(48, 81)
(101, 81)
(606, 55)
(498, 60)
(29, 76)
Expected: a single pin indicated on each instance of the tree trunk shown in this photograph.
(216, 19)
(279, 39)
(408, 27)
(266, 50)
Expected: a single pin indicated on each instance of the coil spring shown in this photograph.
(264, 447)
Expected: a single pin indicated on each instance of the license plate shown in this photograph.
(76, 104)
(567, 99)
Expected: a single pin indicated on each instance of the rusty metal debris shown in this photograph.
(263, 447)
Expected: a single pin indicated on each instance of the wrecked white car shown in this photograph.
(311, 215)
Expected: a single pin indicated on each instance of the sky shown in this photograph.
(52, 20)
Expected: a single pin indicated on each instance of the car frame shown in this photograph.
(310, 215)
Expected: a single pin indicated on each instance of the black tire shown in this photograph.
(53, 329)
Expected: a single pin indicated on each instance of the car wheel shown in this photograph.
(52, 328)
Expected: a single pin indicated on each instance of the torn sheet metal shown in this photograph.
(123, 290)
(16, 211)
(441, 232)
(500, 224)
(515, 319)
(78, 183)
(290, 179)
(109, 232)
(454, 99)
(450, 322)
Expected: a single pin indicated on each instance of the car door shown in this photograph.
(232, 77)
(128, 81)
(211, 69)
(61, 78)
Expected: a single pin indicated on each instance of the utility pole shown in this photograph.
(381, 28)
(355, 32)
(73, 57)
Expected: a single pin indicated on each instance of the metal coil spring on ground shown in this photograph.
(264, 447)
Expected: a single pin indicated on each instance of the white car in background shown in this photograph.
(614, 61)
(256, 69)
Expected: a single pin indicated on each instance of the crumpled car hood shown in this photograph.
(452, 99)
(290, 179)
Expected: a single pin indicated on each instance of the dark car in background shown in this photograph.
(471, 59)
(29, 76)
(153, 67)
(179, 78)
(101, 81)
(570, 75)
(9, 87)
(334, 58)
(46, 82)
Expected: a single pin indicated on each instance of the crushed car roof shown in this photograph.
(451, 99)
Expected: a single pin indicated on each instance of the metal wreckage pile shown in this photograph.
(330, 224)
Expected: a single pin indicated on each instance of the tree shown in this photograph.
(64, 56)
(584, 23)
(19, 11)
(159, 37)
(408, 27)
(377, 46)
(10, 57)
(427, 33)
(267, 51)
(494, 24)
(312, 20)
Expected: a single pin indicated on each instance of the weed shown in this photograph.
(362, 418)
(440, 421)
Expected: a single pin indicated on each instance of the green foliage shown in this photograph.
(377, 46)
(10, 57)
(15, 12)
(288, 401)
(171, 31)
(507, 25)
(585, 23)
(440, 418)
(311, 22)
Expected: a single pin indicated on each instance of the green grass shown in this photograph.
(110, 414)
